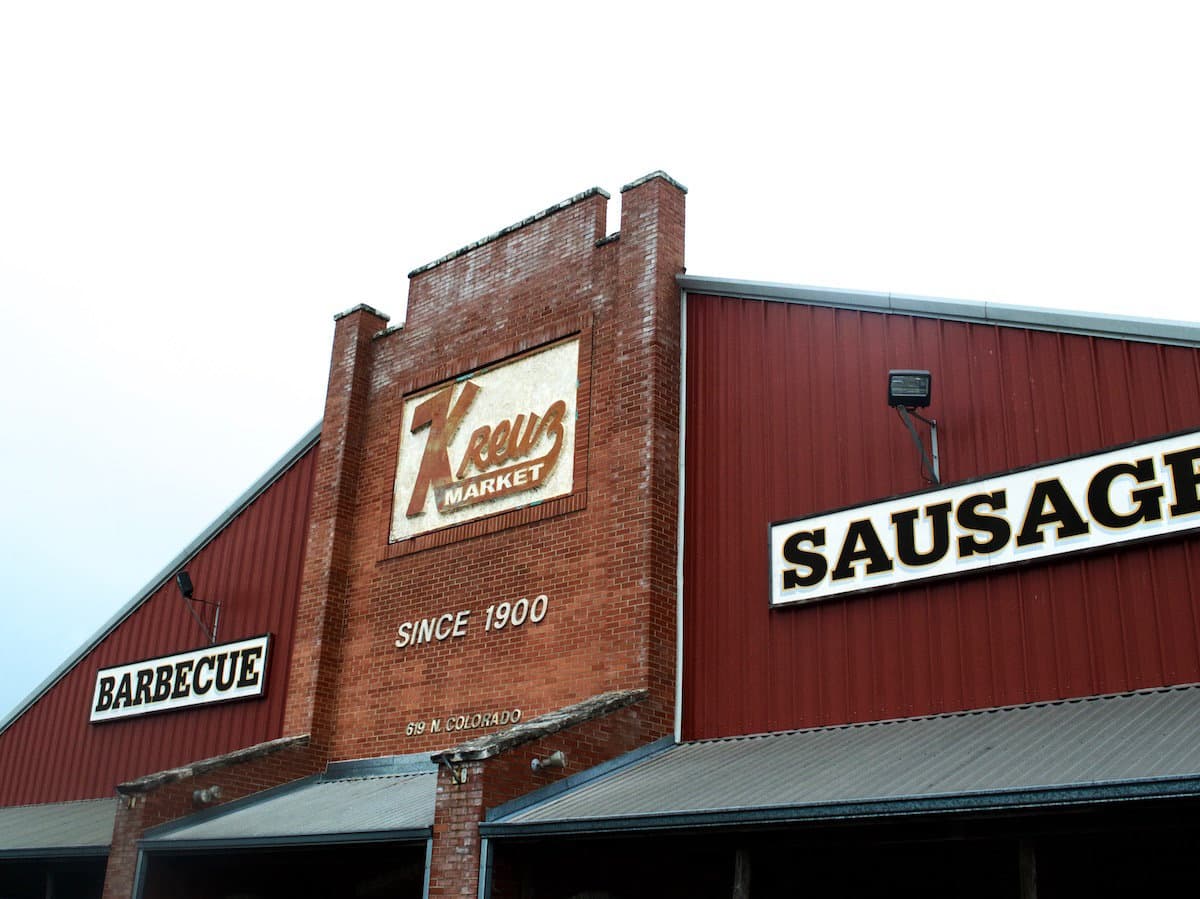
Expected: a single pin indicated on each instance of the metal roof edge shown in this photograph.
(206, 536)
(1093, 324)
(100, 851)
(380, 766)
(578, 780)
(999, 800)
(414, 835)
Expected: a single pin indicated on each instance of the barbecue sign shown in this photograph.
(1137, 492)
(496, 440)
(198, 677)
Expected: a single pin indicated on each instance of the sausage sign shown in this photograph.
(1136, 492)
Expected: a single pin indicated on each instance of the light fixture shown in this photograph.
(556, 759)
(909, 389)
(206, 796)
(183, 581)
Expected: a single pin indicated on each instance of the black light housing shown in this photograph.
(184, 582)
(909, 388)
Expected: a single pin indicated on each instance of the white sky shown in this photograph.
(189, 192)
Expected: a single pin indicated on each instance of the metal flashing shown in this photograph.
(1092, 324)
(307, 442)
(417, 763)
(1123, 747)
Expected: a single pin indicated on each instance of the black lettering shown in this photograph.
(226, 670)
(124, 692)
(906, 536)
(162, 682)
(1185, 476)
(1100, 499)
(250, 675)
(144, 678)
(795, 554)
(861, 532)
(105, 700)
(1061, 511)
(183, 686)
(201, 664)
(994, 525)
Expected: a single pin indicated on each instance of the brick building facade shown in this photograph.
(523, 634)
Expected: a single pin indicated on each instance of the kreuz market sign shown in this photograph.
(497, 440)
(1137, 492)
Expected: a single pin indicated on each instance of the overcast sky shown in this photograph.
(190, 192)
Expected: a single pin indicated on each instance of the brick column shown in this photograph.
(648, 359)
(320, 614)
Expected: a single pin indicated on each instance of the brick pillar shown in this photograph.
(648, 358)
(454, 864)
(320, 613)
(123, 854)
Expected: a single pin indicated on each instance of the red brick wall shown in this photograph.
(454, 867)
(605, 556)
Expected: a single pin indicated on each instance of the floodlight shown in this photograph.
(909, 388)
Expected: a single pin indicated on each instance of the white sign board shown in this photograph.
(198, 677)
(1136, 492)
(499, 439)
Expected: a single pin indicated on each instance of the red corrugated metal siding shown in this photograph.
(786, 416)
(253, 567)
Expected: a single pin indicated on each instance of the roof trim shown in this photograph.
(58, 852)
(239, 505)
(409, 835)
(1000, 800)
(1091, 324)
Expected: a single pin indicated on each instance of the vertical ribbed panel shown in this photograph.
(787, 416)
(252, 567)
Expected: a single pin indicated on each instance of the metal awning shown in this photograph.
(378, 800)
(57, 829)
(1128, 746)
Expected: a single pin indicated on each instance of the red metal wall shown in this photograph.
(253, 566)
(786, 415)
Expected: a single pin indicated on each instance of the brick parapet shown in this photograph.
(605, 559)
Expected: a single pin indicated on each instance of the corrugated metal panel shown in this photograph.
(786, 416)
(253, 566)
(66, 828)
(1084, 749)
(339, 808)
